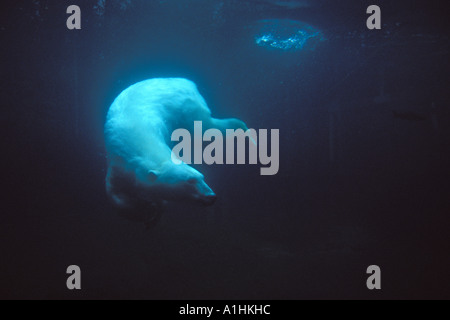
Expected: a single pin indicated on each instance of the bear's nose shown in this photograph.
(209, 200)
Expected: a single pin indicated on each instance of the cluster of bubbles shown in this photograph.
(287, 35)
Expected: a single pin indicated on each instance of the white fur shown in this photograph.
(137, 136)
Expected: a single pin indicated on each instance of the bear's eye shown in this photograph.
(192, 181)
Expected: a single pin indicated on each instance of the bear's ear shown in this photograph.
(152, 176)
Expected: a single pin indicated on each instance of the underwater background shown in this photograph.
(364, 119)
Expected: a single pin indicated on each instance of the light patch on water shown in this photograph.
(289, 4)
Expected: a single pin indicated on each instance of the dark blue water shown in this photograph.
(364, 123)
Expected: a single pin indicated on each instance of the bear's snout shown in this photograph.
(209, 200)
(205, 194)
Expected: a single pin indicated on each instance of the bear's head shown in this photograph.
(173, 182)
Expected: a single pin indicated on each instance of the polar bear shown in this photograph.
(141, 174)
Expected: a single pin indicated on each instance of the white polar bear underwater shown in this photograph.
(141, 175)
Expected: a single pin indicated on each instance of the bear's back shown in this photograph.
(170, 99)
(141, 119)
